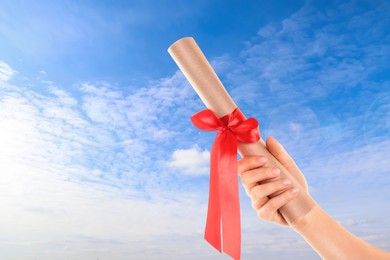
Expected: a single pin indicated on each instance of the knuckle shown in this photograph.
(258, 203)
(262, 213)
(247, 191)
(255, 192)
(254, 204)
(271, 205)
(245, 177)
(269, 188)
(240, 167)
(246, 163)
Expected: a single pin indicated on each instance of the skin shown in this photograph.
(253, 171)
(327, 237)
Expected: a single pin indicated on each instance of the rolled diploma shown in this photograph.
(208, 86)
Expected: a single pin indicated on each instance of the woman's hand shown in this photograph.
(254, 172)
(269, 193)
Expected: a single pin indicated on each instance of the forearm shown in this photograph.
(331, 241)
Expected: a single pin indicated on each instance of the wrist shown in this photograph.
(302, 224)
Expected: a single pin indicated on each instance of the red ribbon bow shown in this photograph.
(224, 201)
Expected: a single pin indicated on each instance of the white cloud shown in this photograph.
(77, 219)
(155, 109)
(6, 72)
(192, 161)
(53, 131)
(86, 182)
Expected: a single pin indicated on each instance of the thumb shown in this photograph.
(278, 151)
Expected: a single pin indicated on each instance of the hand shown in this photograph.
(254, 173)
(268, 194)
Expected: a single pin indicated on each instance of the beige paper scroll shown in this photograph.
(206, 83)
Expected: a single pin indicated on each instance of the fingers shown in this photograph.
(268, 193)
(250, 162)
(278, 151)
(253, 177)
(269, 210)
(259, 194)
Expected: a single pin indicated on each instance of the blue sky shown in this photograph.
(98, 158)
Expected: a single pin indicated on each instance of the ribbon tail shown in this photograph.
(213, 222)
(224, 203)
(230, 204)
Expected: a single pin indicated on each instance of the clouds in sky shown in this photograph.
(192, 161)
(102, 170)
(6, 72)
(69, 173)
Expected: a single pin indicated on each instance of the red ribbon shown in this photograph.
(224, 204)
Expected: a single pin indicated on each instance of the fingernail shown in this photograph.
(287, 182)
(294, 190)
(276, 171)
(261, 159)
